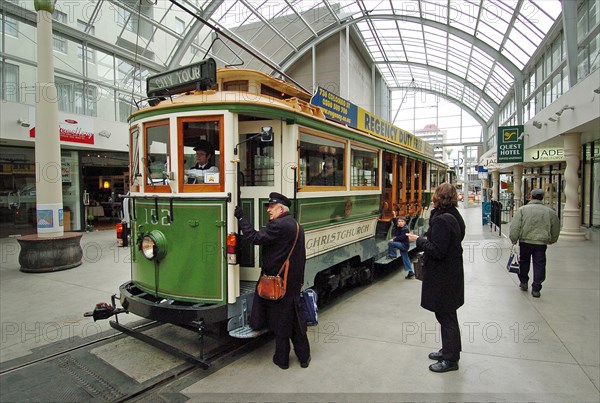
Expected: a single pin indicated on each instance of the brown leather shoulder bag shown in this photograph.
(273, 287)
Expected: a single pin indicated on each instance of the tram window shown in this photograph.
(257, 161)
(321, 161)
(157, 153)
(201, 150)
(364, 167)
(134, 157)
(433, 173)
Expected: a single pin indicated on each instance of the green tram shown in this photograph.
(189, 267)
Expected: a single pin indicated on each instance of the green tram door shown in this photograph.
(189, 239)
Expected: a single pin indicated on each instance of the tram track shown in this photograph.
(144, 326)
(78, 374)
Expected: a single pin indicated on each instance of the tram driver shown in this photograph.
(330, 176)
(204, 165)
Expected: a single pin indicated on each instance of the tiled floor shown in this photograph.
(372, 345)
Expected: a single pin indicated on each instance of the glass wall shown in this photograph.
(89, 80)
(18, 191)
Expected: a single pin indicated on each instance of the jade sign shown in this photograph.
(510, 144)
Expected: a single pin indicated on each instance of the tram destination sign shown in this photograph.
(197, 76)
(510, 144)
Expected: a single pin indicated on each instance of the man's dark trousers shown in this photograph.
(538, 252)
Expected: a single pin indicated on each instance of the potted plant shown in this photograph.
(90, 222)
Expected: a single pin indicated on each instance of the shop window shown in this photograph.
(10, 88)
(200, 152)
(321, 161)
(157, 158)
(365, 165)
(75, 97)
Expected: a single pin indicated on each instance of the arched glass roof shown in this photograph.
(471, 51)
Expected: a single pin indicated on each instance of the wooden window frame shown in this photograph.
(201, 187)
(147, 186)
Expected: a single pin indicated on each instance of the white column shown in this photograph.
(47, 139)
(518, 185)
(496, 185)
(571, 227)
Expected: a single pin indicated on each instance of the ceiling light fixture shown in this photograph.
(552, 119)
(536, 124)
(564, 108)
(23, 123)
(597, 90)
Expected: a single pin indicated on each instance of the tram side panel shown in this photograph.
(193, 268)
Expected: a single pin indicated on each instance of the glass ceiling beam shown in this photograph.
(235, 39)
(473, 87)
(197, 25)
(509, 29)
(569, 21)
(268, 24)
(333, 14)
(301, 18)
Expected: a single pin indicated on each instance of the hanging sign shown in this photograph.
(343, 111)
(510, 144)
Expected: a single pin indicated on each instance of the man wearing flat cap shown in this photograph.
(204, 153)
(535, 226)
(284, 317)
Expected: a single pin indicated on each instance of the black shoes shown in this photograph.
(444, 366)
(410, 275)
(436, 355)
(282, 366)
(523, 286)
(305, 364)
(535, 294)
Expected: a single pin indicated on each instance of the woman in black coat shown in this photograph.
(284, 316)
(443, 291)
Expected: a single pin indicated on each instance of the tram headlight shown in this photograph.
(154, 245)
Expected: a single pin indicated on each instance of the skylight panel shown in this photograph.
(459, 46)
(475, 78)
(479, 58)
(503, 73)
(540, 15)
(516, 55)
(485, 110)
(533, 37)
(434, 10)
(490, 36)
(411, 33)
(463, 15)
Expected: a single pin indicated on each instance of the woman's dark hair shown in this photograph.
(445, 196)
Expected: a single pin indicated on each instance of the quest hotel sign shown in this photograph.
(510, 144)
(323, 240)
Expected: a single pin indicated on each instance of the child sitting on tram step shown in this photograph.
(400, 242)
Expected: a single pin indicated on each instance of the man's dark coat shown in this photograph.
(277, 239)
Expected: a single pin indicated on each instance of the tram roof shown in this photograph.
(282, 100)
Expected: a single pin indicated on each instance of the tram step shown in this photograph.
(385, 260)
(246, 332)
